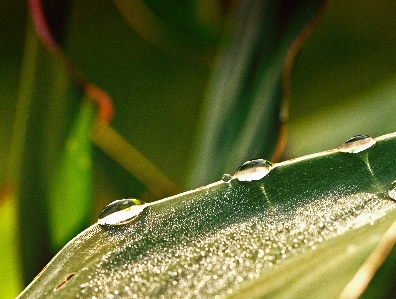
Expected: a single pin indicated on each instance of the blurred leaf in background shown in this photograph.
(344, 77)
(244, 113)
(157, 73)
(71, 197)
(12, 31)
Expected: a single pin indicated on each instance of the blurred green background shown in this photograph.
(343, 84)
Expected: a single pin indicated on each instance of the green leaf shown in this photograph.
(285, 235)
(26, 167)
(244, 109)
(157, 98)
(46, 102)
(71, 199)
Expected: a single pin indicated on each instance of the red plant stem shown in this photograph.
(103, 100)
(40, 22)
(101, 97)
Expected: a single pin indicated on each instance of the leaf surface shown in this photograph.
(238, 238)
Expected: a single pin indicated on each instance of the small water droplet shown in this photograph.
(226, 178)
(392, 190)
(357, 144)
(121, 212)
(253, 170)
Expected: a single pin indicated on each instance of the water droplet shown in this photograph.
(253, 170)
(357, 144)
(392, 190)
(121, 212)
(226, 178)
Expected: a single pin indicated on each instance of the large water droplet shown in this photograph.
(392, 190)
(357, 144)
(226, 178)
(253, 170)
(121, 212)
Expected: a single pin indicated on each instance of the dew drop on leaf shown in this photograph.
(253, 170)
(392, 190)
(121, 212)
(226, 178)
(357, 144)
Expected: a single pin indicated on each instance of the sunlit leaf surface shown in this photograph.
(241, 237)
